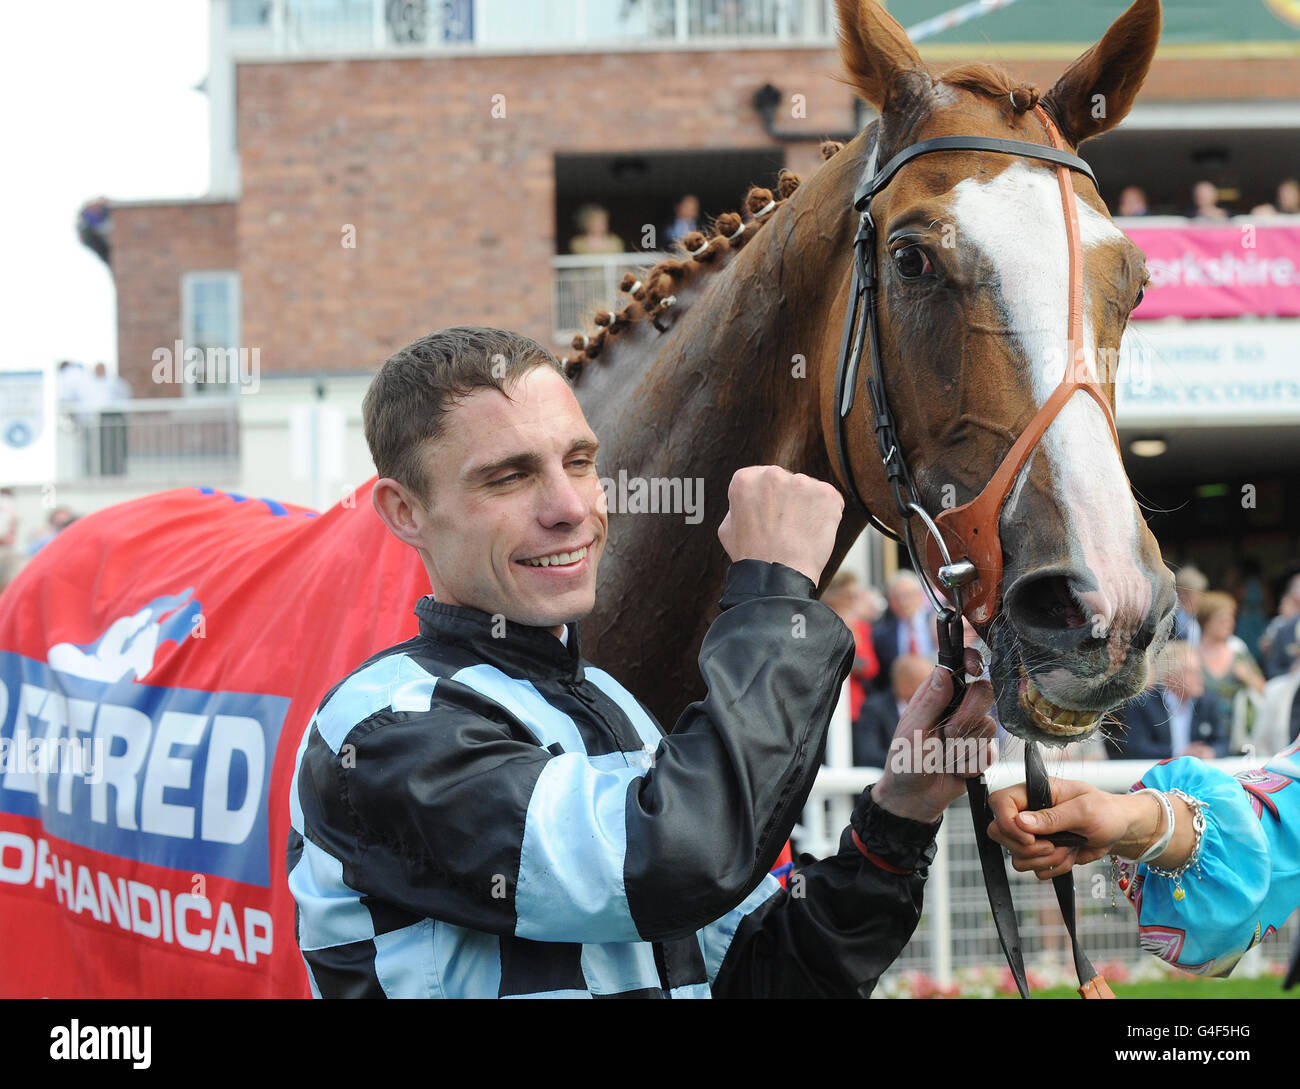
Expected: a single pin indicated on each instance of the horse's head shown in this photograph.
(974, 288)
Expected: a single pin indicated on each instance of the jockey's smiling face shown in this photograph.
(516, 519)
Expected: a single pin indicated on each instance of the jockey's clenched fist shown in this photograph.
(781, 517)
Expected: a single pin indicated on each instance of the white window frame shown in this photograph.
(188, 338)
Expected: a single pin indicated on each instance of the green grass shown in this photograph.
(1263, 987)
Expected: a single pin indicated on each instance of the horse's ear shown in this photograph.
(1098, 89)
(880, 60)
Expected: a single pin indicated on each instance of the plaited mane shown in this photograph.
(654, 291)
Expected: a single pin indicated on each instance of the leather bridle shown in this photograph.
(973, 582)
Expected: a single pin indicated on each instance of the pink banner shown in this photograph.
(1220, 272)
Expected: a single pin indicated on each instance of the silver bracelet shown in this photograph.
(1198, 809)
(1162, 843)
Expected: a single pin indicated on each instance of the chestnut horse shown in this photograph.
(728, 359)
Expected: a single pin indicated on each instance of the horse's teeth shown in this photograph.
(1050, 718)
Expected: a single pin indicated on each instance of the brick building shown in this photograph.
(368, 188)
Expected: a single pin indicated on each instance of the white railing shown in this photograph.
(584, 283)
(307, 26)
(956, 931)
(164, 440)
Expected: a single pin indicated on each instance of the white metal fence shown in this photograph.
(171, 440)
(956, 931)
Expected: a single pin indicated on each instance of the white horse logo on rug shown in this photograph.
(126, 649)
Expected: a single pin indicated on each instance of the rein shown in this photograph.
(973, 582)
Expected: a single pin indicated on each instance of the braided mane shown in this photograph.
(654, 293)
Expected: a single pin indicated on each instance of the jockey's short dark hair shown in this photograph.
(407, 402)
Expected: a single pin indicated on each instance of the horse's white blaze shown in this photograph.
(1016, 221)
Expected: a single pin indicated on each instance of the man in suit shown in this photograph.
(1174, 717)
(874, 727)
(1190, 584)
(1279, 646)
(907, 628)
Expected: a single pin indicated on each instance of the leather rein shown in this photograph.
(972, 583)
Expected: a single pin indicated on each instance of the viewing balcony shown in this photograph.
(363, 26)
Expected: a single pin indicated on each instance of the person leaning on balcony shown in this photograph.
(1205, 202)
(1288, 201)
(1132, 202)
(480, 812)
(593, 221)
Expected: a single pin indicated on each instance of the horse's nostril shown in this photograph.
(1047, 602)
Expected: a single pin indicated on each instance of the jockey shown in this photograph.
(479, 811)
(1206, 887)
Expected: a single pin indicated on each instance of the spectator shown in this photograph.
(907, 628)
(593, 222)
(1288, 201)
(104, 390)
(118, 387)
(686, 213)
(874, 728)
(1288, 197)
(72, 383)
(844, 594)
(1279, 646)
(1205, 202)
(1132, 202)
(59, 520)
(8, 535)
(1226, 662)
(874, 604)
(1247, 588)
(1189, 584)
(1174, 717)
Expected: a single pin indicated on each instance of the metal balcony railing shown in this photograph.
(584, 283)
(347, 26)
(158, 441)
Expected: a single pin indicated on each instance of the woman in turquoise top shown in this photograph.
(1241, 879)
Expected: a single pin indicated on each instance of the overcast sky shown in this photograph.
(98, 98)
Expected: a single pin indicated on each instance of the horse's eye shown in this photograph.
(912, 263)
(1142, 294)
